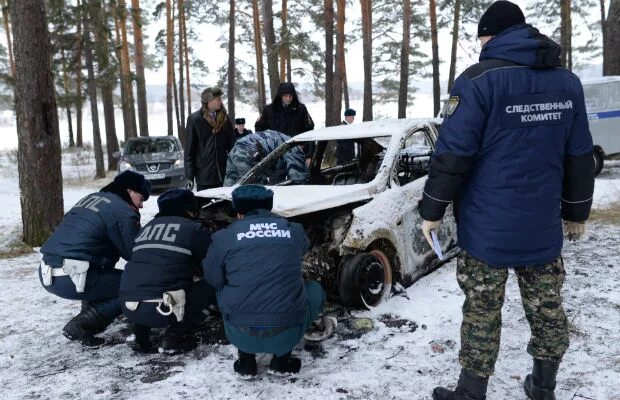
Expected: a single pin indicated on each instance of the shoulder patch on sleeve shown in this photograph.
(452, 105)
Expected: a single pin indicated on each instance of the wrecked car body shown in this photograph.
(361, 215)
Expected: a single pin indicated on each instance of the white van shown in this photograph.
(603, 106)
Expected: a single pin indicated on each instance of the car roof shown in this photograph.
(370, 129)
(168, 137)
(600, 79)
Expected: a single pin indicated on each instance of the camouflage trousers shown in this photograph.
(484, 289)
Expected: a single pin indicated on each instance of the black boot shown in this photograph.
(175, 340)
(470, 387)
(85, 325)
(284, 365)
(143, 343)
(540, 384)
(245, 366)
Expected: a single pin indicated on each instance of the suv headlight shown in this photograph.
(124, 166)
(179, 164)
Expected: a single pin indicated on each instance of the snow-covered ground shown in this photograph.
(411, 346)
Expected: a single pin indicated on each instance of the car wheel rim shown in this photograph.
(374, 277)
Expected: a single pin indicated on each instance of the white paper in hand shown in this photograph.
(436, 245)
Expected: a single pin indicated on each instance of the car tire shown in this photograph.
(364, 279)
(189, 185)
(598, 161)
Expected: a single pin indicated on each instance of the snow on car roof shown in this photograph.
(600, 79)
(370, 129)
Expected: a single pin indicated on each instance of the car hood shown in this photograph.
(152, 157)
(290, 201)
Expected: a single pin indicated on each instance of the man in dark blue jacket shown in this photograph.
(515, 156)
(158, 288)
(79, 258)
(255, 266)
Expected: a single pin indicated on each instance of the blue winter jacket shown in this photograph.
(100, 228)
(255, 266)
(514, 153)
(167, 253)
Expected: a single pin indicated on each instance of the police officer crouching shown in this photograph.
(158, 288)
(79, 258)
(255, 265)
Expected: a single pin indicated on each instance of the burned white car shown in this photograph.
(360, 215)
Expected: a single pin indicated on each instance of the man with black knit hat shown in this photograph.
(255, 266)
(345, 149)
(79, 258)
(240, 130)
(514, 156)
(158, 288)
(209, 137)
(286, 114)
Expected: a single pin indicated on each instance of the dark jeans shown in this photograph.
(101, 290)
(205, 187)
(282, 342)
(197, 299)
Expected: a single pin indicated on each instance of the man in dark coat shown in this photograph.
(514, 154)
(79, 258)
(345, 150)
(240, 130)
(167, 254)
(286, 114)
(209, 137)
(255, 265)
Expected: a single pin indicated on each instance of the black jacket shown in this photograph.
(206, 153)
(291, 120)
(167, 253)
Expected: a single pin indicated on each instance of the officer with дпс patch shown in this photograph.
(158, 288)
(255, 266)
(514, 155)
(79, 258)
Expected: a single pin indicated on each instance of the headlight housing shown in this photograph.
(124, 166)
(179, 164)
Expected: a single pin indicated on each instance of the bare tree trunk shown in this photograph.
(119, 56)
(283, 41)
(345, 86)
(565, 34)
(367, 49)
(455, 39)
(92, 95)
(186, 52)
(66, 86)
(79, 99)
(328, 10)
(435, 47)
(7, 31)
(272, 49)
(181, 50)
(136, 18)
(231, 61)
(169, 64)
(405, 50)
(612, 60)
(339, 68)
(130, 125)
(38, 157)
(603, 33)
(106, 78)
(258, 45)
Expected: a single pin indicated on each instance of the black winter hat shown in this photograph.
(240, 121)
(349, 112)
(286, 88)
(499, 16)
(177, 201)
(251, 197)
(134, 181)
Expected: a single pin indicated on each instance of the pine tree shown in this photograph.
(612, 36)
(137, 21)
(40, 177)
